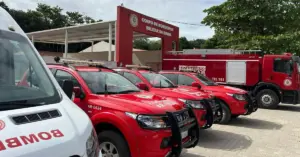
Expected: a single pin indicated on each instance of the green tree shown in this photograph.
(142, 43)
(184, 43)
(155, 45)
(4, 6)
(52, 16)
(198, 43)
(74, 18)
(271, 25)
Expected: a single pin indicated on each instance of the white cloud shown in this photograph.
(190, 11)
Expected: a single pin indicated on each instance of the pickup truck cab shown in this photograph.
(38, 120)
(234, 101)
(202, 103)
(129, 122)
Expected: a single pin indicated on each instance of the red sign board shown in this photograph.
(129, 21)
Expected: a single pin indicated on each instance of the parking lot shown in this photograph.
(266, 133)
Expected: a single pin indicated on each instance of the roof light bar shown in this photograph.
(74, 61)
(138, 67)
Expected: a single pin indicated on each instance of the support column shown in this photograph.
(92, 46)
(32, 40)
(115, 52)
(66, 44)
(109, 40)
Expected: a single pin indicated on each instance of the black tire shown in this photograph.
(117, 140)
(234, 116)
(226, 113)
(268, 95)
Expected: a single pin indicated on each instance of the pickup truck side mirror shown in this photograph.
(142, 86)
(77, 92)
(67, 86)
(196, 84)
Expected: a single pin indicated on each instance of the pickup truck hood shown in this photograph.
(181, 92)
(59, 136)
(225, 89)
(140, 102)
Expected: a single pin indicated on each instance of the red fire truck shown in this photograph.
(270, 78)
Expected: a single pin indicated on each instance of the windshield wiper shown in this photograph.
(9, 105)
(128, 91)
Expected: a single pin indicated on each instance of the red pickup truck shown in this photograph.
(204, 107)
(234, 101)
(129, 122)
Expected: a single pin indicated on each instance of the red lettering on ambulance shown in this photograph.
(13, 142)
(2, 147)
(31, 139)
(44, 136)
(57, 133)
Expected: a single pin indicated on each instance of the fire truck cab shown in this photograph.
(270, 78)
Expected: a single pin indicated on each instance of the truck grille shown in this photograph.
(212, 103)
(36, 117)
(181, 117)
(183, 121)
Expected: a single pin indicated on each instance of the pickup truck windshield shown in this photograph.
(107, 83)
(158, 80)
(205, 80)
(23, 80)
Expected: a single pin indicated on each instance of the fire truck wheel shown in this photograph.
(112, 143)
(226, 114)
(267, 99)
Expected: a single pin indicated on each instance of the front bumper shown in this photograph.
(251, 105)
(180, 125)
(213, 112)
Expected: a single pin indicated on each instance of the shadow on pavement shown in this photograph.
(187, 154)
(295, 108)
(255, 124)
(216, 139)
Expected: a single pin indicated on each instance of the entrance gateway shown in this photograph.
(129, 21)
(128, 26)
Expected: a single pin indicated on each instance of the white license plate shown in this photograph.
(184, 134)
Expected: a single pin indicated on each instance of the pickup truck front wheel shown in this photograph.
(113, 144)
(226, 113)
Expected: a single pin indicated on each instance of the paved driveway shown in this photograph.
(266, 133)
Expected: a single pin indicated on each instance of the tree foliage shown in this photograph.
(271, 25)
(46, 17)
(49, 17)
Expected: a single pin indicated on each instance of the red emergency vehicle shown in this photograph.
(234, 101)
(129, 122)
(204, 106)
(270, 78)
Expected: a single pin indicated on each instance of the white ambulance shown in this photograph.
(37, 119)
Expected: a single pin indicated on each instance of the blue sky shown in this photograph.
(190, 11)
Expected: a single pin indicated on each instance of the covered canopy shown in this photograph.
(81, 33)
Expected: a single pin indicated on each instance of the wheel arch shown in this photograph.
(108, 121)
(263, 85)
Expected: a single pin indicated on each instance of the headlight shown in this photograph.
(193, 103)
(240, 97)
(92, 149)
(149, 122)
